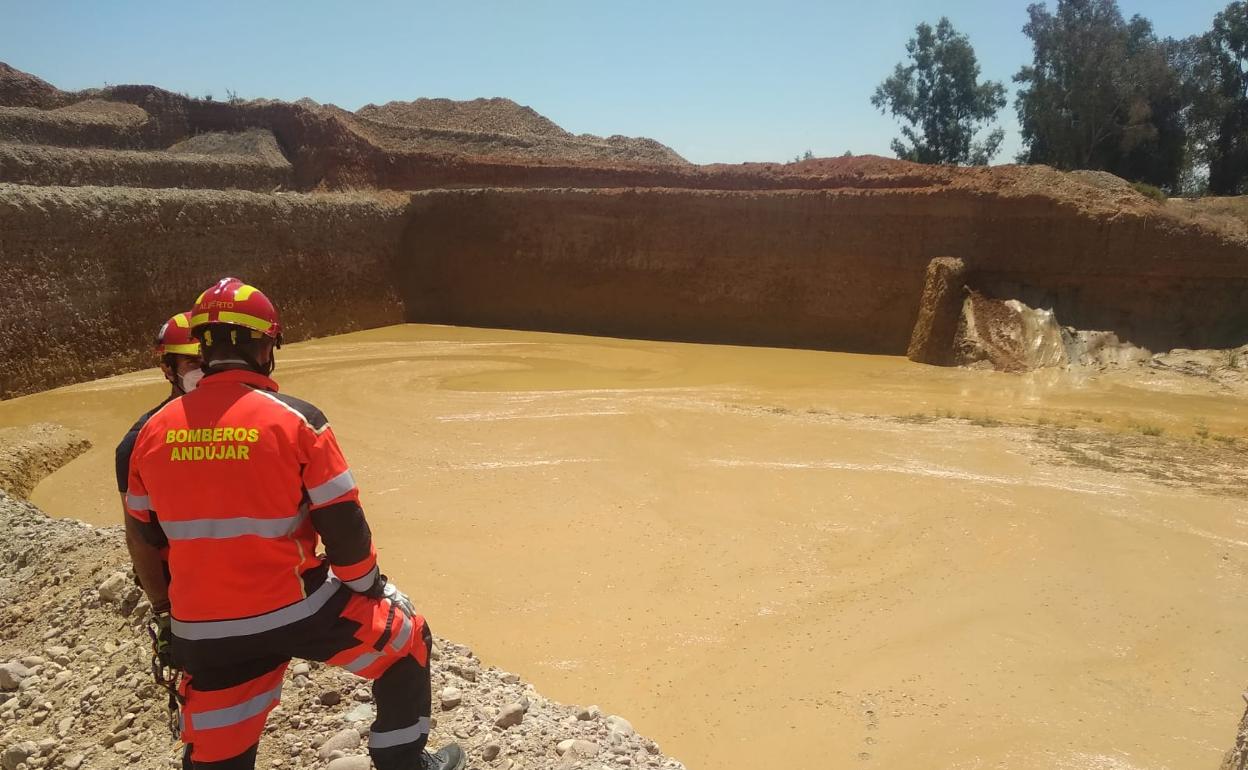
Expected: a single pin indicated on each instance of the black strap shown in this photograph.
(385, 636)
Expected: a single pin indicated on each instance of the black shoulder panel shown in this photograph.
(315, 417)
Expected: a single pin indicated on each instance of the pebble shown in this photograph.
(588, 714)
(510, 716)
(581, 748)
(17, 754)
(300, 669)
(361, 713)
(331, 698)
(359, 762)
(490, 751)
(342, 740)
(114, 587)
(451, 697)
(12, 674)
(466, 672)
(621, 727)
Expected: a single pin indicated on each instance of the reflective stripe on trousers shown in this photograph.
(232, 715)
(392, 738)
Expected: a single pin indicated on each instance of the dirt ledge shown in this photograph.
(29, 453)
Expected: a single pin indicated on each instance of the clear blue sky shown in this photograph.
(717, 80)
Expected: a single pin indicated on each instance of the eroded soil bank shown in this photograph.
(791, 558)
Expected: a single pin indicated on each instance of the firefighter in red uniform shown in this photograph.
(246, 481)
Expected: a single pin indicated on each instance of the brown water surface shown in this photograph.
(746, 553)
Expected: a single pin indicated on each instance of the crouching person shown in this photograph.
(246, 481)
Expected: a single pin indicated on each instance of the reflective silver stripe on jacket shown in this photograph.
(336, 487)
(232, 715)
(399, 737)
(405, 630)
(362, 584)
(362, 661)
(221, 529)
(291, 613)
(138, 502)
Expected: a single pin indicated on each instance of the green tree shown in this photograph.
(938, 97)
(1102, 93)
(1218, 84)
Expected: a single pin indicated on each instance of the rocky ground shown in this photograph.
(76, 689)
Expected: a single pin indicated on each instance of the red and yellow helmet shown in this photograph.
(230, 301)
(175, 337)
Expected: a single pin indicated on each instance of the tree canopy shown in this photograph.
(940, 100)
(1217, 70)
(1101, 93)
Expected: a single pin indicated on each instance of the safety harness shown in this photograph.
(166, 676)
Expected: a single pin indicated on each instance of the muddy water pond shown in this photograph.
(782, 558)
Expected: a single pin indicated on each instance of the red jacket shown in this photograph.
(244, 479)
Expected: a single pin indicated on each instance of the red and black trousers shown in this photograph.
(233, 680)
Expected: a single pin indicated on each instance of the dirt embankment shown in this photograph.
(51, 166)
(29, 453)
(92, 272)
(838, 270)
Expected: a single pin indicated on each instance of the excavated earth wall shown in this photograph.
(828, 269)
(90, 273)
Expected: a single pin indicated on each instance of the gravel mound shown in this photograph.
(491, 116)
(253, 144)
(76, 692)
(101, 111)
(492, 128)
(93, 123)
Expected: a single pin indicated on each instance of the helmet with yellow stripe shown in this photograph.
(232, 302)
(174, 337)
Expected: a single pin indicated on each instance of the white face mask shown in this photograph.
(190, 379)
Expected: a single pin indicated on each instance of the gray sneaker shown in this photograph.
(449, 757)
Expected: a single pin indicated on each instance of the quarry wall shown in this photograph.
(828, 269)
(90, 273)
(93, 271)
